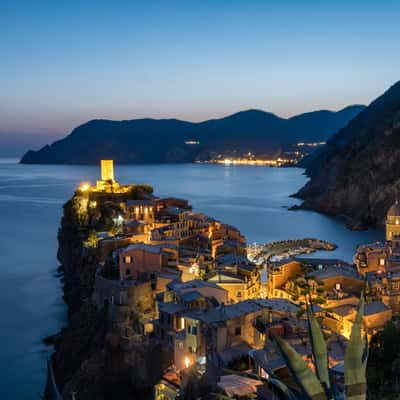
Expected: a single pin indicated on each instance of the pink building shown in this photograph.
(144, 260)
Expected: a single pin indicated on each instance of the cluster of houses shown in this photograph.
(380, 263)
(188, 277)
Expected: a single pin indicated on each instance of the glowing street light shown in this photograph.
(84, 187)
(187, 362)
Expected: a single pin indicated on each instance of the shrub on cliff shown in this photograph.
(80, 210)
(137, 192)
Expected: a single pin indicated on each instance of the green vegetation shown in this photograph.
(139, 191)
(383, 372)
(107, 217)
(306, 287)
(80, 210)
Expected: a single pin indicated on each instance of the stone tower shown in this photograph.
(107, 170)
(393, 222)
(107, 183)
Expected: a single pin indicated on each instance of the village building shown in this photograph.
(340, 319)
(380, 263)
(138, 260)
(140, 210)
(241, 284)
(335, 277)
(181, 297)
(227, 332)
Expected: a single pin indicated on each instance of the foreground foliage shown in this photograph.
(383, 372)
(318, 385)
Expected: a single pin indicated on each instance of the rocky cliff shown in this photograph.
(93, 358)
(357, 174)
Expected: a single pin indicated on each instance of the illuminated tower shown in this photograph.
(107, 182)
(393, 222)
(107, 170)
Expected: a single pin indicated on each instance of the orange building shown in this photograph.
(145, 260)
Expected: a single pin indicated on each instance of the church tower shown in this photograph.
(393, 222)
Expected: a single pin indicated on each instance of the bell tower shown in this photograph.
(393, 222)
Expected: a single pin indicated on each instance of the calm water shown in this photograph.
(255, 199)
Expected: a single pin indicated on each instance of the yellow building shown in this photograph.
(279, 273)
(393, 222)
(239, 287)
(340, 319)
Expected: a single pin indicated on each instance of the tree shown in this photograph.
(138, 192)
(306, 287)
(384, 362)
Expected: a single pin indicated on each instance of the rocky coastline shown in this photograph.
(356, 175)
(89, 360)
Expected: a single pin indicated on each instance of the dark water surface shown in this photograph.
(31, 196)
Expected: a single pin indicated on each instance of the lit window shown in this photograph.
(127, 259)
(137, 210)
(381, 262)
(397, 221)
(192, 330)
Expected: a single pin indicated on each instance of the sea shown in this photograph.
(254, 199)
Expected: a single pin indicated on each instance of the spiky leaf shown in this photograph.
(355, 359)
(289, 395)
(303, 375)
(320, 352)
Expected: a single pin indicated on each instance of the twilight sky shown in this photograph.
(65, 62)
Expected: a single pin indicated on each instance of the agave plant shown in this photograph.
(318, 385)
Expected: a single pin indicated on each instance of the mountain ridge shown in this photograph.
(248, 130)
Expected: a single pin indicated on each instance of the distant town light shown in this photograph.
(227, 161)
(192, 142)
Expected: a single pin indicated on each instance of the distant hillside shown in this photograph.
(163, 141)
(357, 174)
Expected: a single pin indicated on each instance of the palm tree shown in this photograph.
(318, 386)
